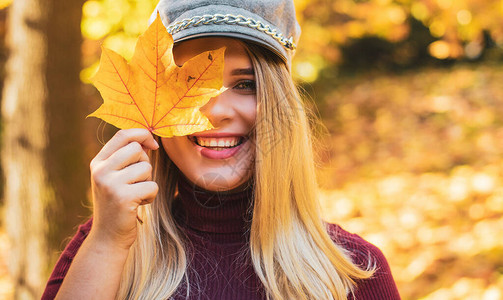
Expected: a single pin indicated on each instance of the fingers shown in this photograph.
(139, 193)
(144, 192)
(127, 155)
(140, 171)
(124, 137)
(121, 180)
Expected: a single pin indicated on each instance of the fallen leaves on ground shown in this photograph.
(415, 166)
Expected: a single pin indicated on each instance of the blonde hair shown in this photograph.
(291, 251)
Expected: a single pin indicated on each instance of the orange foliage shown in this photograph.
(415, 165)
(456, 21)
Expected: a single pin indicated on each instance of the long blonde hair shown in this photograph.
(291, 251)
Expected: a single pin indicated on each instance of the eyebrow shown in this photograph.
(247, 71)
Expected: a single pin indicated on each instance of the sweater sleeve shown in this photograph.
(64, 261)
(381, 286)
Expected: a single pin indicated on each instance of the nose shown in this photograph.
(219, 109)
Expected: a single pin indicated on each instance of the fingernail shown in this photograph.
(156, 143)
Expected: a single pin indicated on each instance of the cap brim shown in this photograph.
(234, 35)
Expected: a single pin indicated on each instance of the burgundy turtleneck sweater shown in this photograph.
(217, 228)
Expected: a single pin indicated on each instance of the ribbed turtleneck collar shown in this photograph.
(213, 213)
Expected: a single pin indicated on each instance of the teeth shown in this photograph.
(217, 142)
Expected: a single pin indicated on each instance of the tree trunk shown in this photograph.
(42, 155)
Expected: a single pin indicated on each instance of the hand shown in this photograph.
(121, 180)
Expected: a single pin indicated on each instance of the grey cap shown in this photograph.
(270, 23)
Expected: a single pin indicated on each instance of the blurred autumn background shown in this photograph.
(410, 92)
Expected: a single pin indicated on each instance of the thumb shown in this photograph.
(149, 143)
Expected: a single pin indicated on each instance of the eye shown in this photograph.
(246, 86)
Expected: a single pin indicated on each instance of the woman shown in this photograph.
(229, 213)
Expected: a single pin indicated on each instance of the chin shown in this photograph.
(231, 174)
(218, 181)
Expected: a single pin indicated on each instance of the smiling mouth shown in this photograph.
(218, 144)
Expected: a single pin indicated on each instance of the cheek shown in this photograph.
(253, 115)
(168, 144)
(248, 111)
(180, 152)
(174, 148)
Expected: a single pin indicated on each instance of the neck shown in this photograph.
(223, 215)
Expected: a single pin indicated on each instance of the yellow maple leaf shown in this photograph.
(152, 91)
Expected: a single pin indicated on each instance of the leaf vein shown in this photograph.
(132, 98)
(126, 118)
(180, 99)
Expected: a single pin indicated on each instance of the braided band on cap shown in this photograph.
(232, 20)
